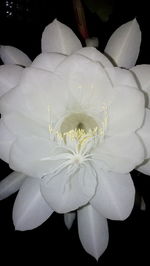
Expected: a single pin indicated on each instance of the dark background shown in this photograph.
(21, 25)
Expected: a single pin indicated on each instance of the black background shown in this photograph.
(21, 26)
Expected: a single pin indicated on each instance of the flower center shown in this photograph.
(78, 121)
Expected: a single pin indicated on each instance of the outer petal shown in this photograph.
(48, 61)
(124, 44)
(120, 154)
(93, 54)
(115, 194)
(67, 193)
(69, 219)
(126, 112)
(6, 140)
(12, 55)
(27, 156)
(144, 167)
(93, 231)
(144, 133)
(59, 38)
(142, 74)
(9, 77)
(30, 209)
(11, 184)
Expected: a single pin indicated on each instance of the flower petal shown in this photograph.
(69, 219)
(48, 61)
(39, 96)
(115, 194)
(27, 156)
(142, 74)
(30, 209)
(67, 193)
(144, 167)
(22, 126)
(126, 112)
(9, 77)
(6, 140)
(12, 55)
(122, 77)
(11, 184)
(144, 133)
(120, 154)
(93, 231)
(93, 54)
(87, 82)
(59, 38)
(124, 44)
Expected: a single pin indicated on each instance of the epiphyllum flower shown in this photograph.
(68, 129)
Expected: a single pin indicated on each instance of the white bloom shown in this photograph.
(69, 126)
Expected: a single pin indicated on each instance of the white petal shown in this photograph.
(30, 209)
(59, 38)
(93, 231)
(22, 126)
(39, 96)
(67, 193)
(120, 154)
(122, 77)
(12, 55)
(144, 133)
(27, 156)
(126, 112)
(11, 184)
(69, 219)
(115, 194)
(87, 82)
(142, 74)
(9, 77)
(124, 44)
(6, 140)
(48, 61)
(95, 55)
(144, 167)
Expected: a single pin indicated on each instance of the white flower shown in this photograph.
(68, 129)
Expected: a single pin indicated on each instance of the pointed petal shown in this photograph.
(144, 167)
(27, 156)
(30, 209)
(48, 61)
(142, 74)
(6, 141)
(95, 55)
(12, 55)
(124, 44)
(69, 219)
(144, 134)
(115, 194)
(93, 231)
(9, 77)
(67, 193)
(59, 38)
(11, 184)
